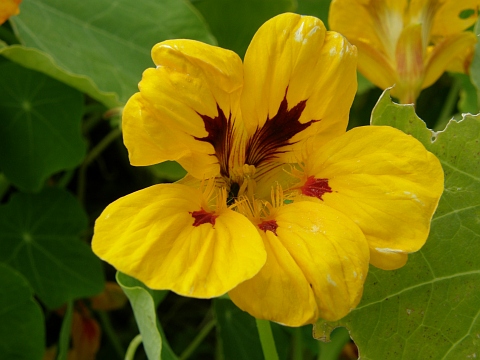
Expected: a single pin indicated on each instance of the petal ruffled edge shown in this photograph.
(296, 69)
(316, 266)
(189, 106)
(168, 238)
(385, 181)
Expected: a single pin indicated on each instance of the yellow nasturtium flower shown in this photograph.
(8, 8)
(409, 43)
(282, 209)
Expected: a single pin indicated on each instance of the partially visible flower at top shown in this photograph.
(8, 8)
(281, 208)
(409, 43)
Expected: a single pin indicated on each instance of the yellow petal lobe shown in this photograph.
(191, 104)
(386, 182)
(293, 58)
(317, 262)
(167, 237)
(445, 53)
(447, 20)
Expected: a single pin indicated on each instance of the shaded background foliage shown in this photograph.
(66, 69)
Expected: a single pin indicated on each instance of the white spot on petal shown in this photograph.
(414, 197)
(355, 274)
(389, 251)
(330, 280)
(298, 36)
(313, 31)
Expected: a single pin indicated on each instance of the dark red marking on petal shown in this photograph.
(266, 143)
(269, 225)
(203, 217)
(220, 135)
(316, 187)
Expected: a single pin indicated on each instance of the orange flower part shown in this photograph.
(8, 8)
(407, 43)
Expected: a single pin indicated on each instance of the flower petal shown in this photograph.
(142, 149)
(297, 72)
(375, 65)
(165, 237)
(410, 64)
(386, 182)
(190, 101)
(447, 20)
(8, 8)
(444, 53)
(317, 262)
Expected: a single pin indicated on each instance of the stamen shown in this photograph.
(203, 217)
(269, 225)
(315, 187)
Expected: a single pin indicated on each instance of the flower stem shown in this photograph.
(92, 155)
(132, 348)
(332, 350)
(297, 344)
(64, 340)
(4, 185)
(266, 339)
(110, 332)
(102, 145)
(198, 340)
(448, 106)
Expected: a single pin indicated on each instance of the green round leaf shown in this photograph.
(109, 42)
(39, 234)
(39, 128)
(429, 309)
(21, 329)
(43, 62)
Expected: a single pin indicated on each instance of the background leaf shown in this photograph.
(317, 8)
(429, 309)
(21, 329)
(40, 128)
(235, 22)
(38, 60)
(107, 41)
(144, 302)
(39, 234)
(237, 332)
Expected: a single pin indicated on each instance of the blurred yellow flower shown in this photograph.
(409, 43)
(282, 209)
(8, 8)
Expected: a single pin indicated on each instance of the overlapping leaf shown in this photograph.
(144, 302)
(430, 309)
(39, 236)
(106, 41)
(39, 128)
(21, 329)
